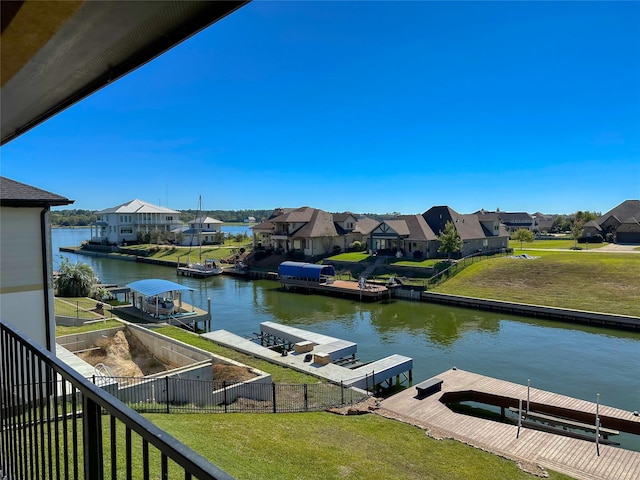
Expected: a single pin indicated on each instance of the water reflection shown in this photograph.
(574, 360)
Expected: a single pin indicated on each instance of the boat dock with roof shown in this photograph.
(320, 355)
(314, 278)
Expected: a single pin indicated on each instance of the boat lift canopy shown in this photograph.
(305, 271)
(156, 286)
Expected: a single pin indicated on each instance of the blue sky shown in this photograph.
(366, 107)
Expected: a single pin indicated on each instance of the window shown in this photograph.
(126, 230)
(169, 219)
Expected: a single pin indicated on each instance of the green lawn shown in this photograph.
(327, 446)
(79, 307)
(560, 243)
(62, 330)
(278, 374)
(600, 282)
(172, 253)
(350, 257)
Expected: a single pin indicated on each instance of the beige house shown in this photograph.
(310, 230)
(406, 236)
(26, 259)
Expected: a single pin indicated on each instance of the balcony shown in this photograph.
(56, 424)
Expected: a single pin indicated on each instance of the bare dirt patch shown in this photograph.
(232, 373)
(125, 356)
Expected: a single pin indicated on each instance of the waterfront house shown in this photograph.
(481, 232)
(310, 230)
(406, 235)
(26, 259)
(201, 231)
(128, 221)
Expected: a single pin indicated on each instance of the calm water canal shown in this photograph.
(573, 360)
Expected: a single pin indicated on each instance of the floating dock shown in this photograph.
(318, 355)
(577, 458)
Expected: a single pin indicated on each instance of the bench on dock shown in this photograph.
(429, 387)
(565, 422)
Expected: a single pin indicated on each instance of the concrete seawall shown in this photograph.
(553, 313)
(607, 320)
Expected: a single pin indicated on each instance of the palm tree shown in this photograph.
(75, 279)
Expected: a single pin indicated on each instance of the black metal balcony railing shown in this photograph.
(56, 424)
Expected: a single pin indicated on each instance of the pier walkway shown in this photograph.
(363, 377)
(571, 456)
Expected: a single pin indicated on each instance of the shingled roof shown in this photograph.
(17, 194)
(627, 210)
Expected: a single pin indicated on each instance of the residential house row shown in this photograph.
(315, 232)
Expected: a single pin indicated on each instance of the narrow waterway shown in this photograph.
(574, 360)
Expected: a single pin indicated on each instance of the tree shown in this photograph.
(523, 235)
(576, 231)
(75, 279)
(450, 241)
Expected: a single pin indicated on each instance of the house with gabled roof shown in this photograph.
(622, 222)
(405, 235)
(124, 222)
(310, 230)
(479, 232)
(201, 231)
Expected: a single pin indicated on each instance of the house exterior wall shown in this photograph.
(125, 226)
(21, 273)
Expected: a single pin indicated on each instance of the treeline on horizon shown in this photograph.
(84, 218)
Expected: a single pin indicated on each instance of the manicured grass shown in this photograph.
(278, 374)
(79, 307)
(350, 257)
(61, 330)
(324, 445)
(600, 282)
(430, 262)
(561, 243)
(217, 252)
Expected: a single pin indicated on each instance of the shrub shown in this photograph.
(259, 255)
(336, 249)
(357, 246)
(417, 254)
(597, 238)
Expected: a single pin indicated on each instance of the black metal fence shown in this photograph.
(56, 424)
(175, 395)
(459, 265)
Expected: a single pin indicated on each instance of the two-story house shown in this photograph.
(310, 230)
(124, 223)
(202, 231)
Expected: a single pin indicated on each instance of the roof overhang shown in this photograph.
(55, 53)
(156, 286)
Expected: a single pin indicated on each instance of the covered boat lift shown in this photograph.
(174, 311)
(308, 272)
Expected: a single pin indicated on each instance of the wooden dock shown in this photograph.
(338, 288)
(571, 456)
